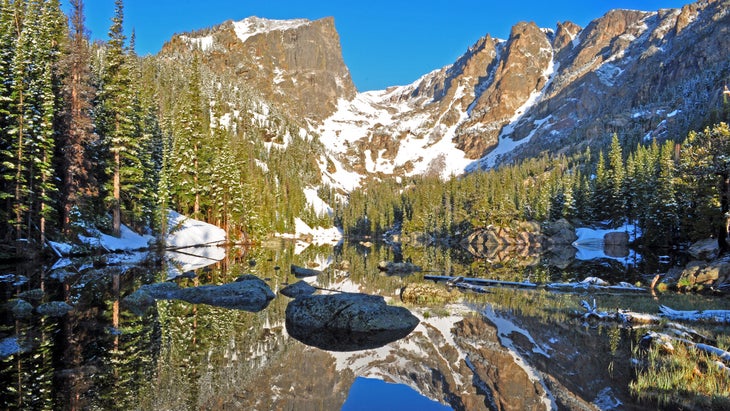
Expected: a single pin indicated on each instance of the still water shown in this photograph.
(508, 348)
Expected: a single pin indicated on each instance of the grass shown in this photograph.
(684, 378)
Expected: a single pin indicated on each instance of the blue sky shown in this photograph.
(384, 42)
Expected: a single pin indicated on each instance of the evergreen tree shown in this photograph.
(617, 203)
(115, 119)
(705, 165)
(77, 130)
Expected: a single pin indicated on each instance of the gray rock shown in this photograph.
(347, 322)
(298, 289)
(54, 309)
(248, 293)
(21, 309)
(706, 249)
(139, 302)
(616, 238)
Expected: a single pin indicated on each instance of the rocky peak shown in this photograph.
(524, 68)
(295, 64)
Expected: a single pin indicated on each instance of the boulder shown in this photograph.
(248, 293)
(616, 238)
(699, 274)
(347, 322)
(559, 232)
(54, 309)
(21, 309)
(298, 289)
(706, 249)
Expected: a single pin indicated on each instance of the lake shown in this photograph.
(508, 348)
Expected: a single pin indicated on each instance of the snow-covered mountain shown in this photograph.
(639, 74)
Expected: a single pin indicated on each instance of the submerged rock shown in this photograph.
(298, 289)
(21, 309)
(54, 309)
(139, 301)
(248, 293)
(347, 322)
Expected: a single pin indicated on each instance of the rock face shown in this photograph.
(698, 274)
(295, 64)
(347, 322)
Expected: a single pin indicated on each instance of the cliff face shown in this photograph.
(295, 64)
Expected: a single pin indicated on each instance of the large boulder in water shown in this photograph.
(347, 322)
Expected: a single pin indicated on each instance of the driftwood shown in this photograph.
(461, 284)
(478, 281)
(713, 316)
(595, 284)
(300, 272)
(589, 284)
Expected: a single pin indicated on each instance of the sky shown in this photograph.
(384, 42)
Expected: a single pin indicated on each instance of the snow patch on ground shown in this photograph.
(127, 241)
(203, 43)
(590, 243)
(188, 232)
(320, 207)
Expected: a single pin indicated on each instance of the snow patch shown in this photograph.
(320, 207)
(188, 232)
(202, 43)
(127, 241)
(252, 26)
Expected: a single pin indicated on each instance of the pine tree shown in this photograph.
(190, 126)
(115, 119)
(8, 37)
(77, 130)
(617, 203)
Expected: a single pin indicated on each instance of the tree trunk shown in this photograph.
(117, 211)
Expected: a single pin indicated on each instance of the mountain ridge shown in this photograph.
(644, 75)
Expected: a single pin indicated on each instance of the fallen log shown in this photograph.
(478, 281)
(713, 316)
(300, 272)
(595, 284)
(461, 284)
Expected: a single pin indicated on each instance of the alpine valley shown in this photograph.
(645, 75)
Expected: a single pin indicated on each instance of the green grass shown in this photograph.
(685, 378)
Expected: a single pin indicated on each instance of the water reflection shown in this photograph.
(180, 355)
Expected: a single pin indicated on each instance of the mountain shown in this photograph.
(295, 64)
(642, 75)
